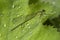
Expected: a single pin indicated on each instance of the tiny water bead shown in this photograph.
(19, 7)
(30, 32)
(4, 25)
(1, 14)
(29, 27)
(53, 2)
(13, 6)
(27, 24)
(16, 6)
(23, 30)
(45, 15)
(54, 12)
(0, 34)
(16, 37)
(18, 15)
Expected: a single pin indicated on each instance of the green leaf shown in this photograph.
(23, 20)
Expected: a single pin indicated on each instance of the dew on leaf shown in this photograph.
(23, 30)
(30, 32)
(53, 3)
(1, 14)
(19, 7)
(45, 15)
(54, 12)
(0, 35)
(27, 24)
(18, 15)
(23, 10)
(29, 27)
(16, 37)
(13, 6)
(4, 25)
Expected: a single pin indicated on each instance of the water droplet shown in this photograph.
(22, 30)
(54, 12)
(18, 15)
(1, 14)
(30, 32)
(53, 3)
(4, 25)
(19, 7)
(27, 24)
(29, 27)
(23, 10)
(0, 35)
(13, 6)
(45, 15)
(16, 37)
(22, 26)
(9, 30)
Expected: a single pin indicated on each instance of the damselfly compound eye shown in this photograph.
(43, 10)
